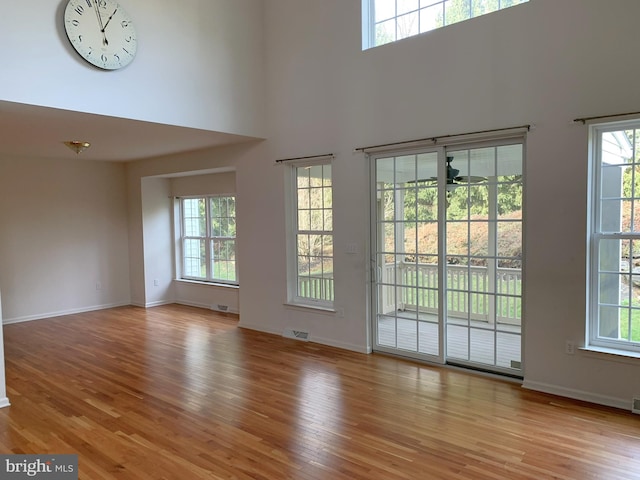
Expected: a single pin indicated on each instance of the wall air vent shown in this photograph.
(635, 405)
(296, 334)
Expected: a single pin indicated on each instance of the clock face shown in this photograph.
(102, 32)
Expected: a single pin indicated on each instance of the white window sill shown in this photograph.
(316, 308)
(206, 284)
(612, 354)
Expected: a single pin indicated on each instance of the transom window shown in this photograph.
(386, 21)
(614, 289)
(209, 239)
(311, 270)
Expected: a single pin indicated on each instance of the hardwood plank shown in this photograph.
(177, 392)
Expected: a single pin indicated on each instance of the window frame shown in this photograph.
(292, 211)
(209, 239)
(369, 24)
(596, 235)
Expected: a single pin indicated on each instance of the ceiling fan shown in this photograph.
(453, 177)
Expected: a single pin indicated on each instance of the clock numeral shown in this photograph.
(102, 4)
(128, 39)
(125, 23)
(75, 23)
(104, 58)
(79, 9)
(80, 38)
(89, 4)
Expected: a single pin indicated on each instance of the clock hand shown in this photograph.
(109, 19)
(104, 36)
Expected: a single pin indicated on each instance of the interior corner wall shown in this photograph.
(217, 297)
(157, 232)
(150, 182)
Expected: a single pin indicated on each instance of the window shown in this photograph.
(209, 239)
(311, 271)
(614, 293)
(386, 21)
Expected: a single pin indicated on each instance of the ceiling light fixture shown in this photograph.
(77, 146)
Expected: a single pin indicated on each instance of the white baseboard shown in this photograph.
(158, 303)
(4, 402)
(312, 339)
(578, 395)
(61, 313)
(207, 307)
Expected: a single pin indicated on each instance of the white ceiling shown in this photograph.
(32, 131)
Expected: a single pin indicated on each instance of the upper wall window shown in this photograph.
(386, 21)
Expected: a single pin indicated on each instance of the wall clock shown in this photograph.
(102, 32)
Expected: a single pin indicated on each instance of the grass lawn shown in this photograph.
(635, 326)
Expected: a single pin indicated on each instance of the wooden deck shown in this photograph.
(477, 342)
(179, 393)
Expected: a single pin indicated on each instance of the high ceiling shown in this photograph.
(31, 131)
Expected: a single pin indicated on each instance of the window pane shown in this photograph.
(304, 198)
(408, 25)
(304, 220)
(384, 9)
(195, 260)
(317, 220)
(327, 197)
(432, 17)
(302, 177)
(509, 242)
(456, 11)
(303, 245)
(195, 224)
(328, 220)
(405, 6)
(385, 32)
(223, 260)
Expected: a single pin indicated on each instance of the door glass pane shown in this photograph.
(407, 252)
(484, 248)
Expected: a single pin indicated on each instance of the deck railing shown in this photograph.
(317, 287)
(470, 291)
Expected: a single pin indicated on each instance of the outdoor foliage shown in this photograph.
(467, 221)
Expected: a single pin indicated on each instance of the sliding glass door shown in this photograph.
(447, 236)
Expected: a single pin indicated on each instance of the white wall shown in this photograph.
(199, 64)
(63, 231)
(204, 184)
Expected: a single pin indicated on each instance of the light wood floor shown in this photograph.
(182, 393)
